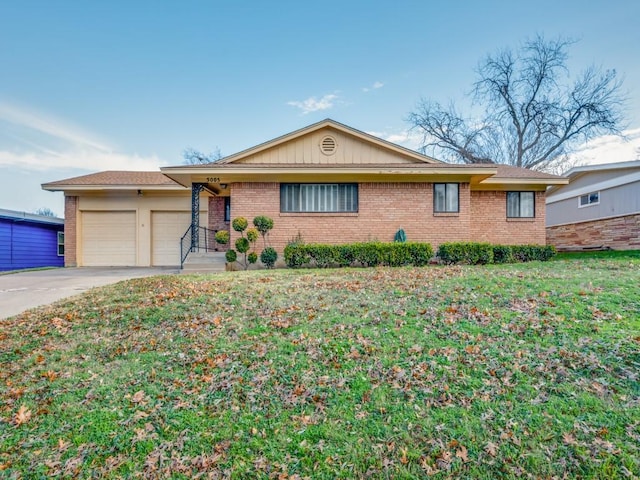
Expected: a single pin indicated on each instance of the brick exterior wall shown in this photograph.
(489, 222)
(216, 219)
(70, 231)
(619, 233)
(386, 207)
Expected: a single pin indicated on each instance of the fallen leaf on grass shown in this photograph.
(138, 397)
(569, 439)
(462, 454)
(491, 448)
(22, 416)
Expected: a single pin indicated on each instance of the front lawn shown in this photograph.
(506, 371)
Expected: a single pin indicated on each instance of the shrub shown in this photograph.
(252, 234)
(502, 254)
(222, 237)
(344, 255)
(421, 253)
(322, 255)
(481, 253)
(268, 257)
(239, 224)
(263, 224)
(367, 254)
(529, 253)
(470, 253)
(242, 245)
(252, 257)
(295, 255)
(231, 256)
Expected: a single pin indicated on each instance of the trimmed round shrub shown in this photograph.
(268, 257)
(231, 256)
(263, 224)
(252, 234)
(222, 237)
(252, 257)
(242, 245)
(239, 224)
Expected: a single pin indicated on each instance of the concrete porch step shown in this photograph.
(204, 262)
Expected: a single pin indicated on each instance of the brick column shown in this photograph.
(70, 231)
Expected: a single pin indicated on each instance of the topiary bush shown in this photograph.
(231, 256)
(222, 237)
(252, 234)
(264, 225)
(268, 257)
(239, 224)
(252, 258)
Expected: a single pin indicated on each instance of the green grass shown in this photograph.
(503, 371)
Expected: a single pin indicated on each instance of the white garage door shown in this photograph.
(108, 239)
(166, 230)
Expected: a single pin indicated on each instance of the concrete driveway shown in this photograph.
(24, 290)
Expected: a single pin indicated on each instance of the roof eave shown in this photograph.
(74, 188)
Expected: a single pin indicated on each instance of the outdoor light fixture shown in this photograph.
(223, 186)
(139, 193)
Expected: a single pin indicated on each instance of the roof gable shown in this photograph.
(328, 143)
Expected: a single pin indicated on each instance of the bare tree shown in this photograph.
(45, 212)
(534, 115)
(195, 157)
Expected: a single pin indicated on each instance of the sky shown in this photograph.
(129, 85)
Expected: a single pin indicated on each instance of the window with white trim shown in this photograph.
(318, 197)
(446, 198)
(61, 244)
(521, 204)
(589, 199)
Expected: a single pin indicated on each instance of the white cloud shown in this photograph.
(375, 86)
(81, 159)
(405, 138)
(39, 123)
(35, 141)
(312, 104)
(609, 149)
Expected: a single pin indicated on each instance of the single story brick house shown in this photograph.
(29, 240)
(599, 208)
(326, 183)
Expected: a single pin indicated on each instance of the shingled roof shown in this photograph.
(114, 179)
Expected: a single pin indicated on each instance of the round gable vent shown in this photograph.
(328, 145)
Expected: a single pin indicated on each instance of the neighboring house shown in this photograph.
(30, 241)
(599, 208)
(326, 183)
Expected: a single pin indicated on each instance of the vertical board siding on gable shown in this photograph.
(29, 245)
(305, 150)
